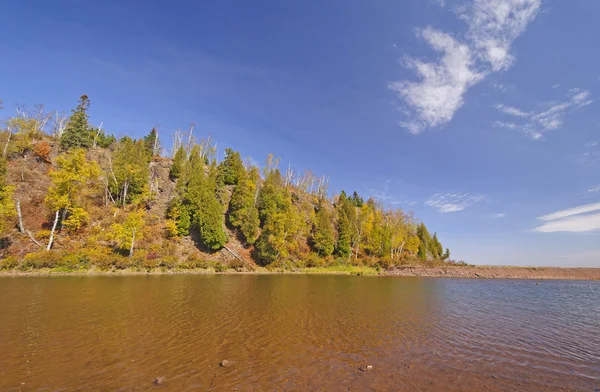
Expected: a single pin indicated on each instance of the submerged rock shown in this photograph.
(225, 363)
(367, 368)
(159, 381)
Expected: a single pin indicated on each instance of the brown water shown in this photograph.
(303, 333)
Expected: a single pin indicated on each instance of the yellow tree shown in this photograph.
(70, 179)
(7, 208)
(126, 233)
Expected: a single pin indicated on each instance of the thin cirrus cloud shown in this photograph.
(577, 220)
(492, 26)
(453, 202)
(535, 124)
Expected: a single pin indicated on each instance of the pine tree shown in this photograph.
(199, 204)
(231, 169)
(243, 213)
(152, 143)
(77, 133)
(446, 255)
(436, 247)
(422, 251)
(178, 163)
(343, 247)
(323, 237)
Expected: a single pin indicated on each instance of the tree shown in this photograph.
(231, 169)
(323, 237)
(126, 233)
(178, 163)
(436, 247)
(77, 133)
(422, 251)
(198, 204)
(243, 213)
(152, 143)
(68, 188)
(7, 208)
(446, 255)
(343, 247)
(129, 172)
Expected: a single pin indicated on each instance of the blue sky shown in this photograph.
(478, 115)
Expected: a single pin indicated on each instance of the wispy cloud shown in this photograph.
(453, 202)
(492, 27)
(578, 220)
(591, 144)
(594, 189)
(512, 111)
(500, 215)
(552, 117)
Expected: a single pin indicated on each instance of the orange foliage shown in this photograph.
(42, 151)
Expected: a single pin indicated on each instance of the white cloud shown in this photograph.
(546, 120)
(576, 220)
(556, 85)
(440, 92)
(495, 24)
(453, 202)
(591, 144)
(512, 111)
(594, 189)
(492, 27)
(500, 215)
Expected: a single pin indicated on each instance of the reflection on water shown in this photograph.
(298, 333)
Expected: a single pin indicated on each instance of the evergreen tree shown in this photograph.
(323, 237)
(343, 247)
(446, 255)
(243, 213)
(77, 133)
(422, 251)
(152, 143)
(231, 169)
(178, 162)
(198, 204)
(436, 247)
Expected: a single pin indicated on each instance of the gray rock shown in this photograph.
(225, 363)
(159, 381)
(367, 368)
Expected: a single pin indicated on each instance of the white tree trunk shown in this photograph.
(21, 228)
(132, 243)
(53, 229)
(7, 141)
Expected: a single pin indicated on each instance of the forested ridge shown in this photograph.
(72, 196)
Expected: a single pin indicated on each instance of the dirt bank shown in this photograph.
(499, 272)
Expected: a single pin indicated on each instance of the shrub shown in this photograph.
(169, 261)
(171, 230)
(43, 234)
(219, 267)
(8, 263)
(42, 259)
(42, 151)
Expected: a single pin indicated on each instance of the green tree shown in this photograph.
(231, 169)
(152, 143)
(446, 255)
(178, 163)
(323, 237)
(77, 133)
(199, 204)
(422, 251)
(243, 213)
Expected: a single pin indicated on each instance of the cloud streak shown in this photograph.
(535, 124)
(453, 202)
(492, 26)
(579, 219)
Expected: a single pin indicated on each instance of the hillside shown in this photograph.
(74, 197)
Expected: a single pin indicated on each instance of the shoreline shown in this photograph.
(464, 272)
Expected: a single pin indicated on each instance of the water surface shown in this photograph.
(299, 333)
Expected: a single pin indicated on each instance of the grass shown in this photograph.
(342, 270)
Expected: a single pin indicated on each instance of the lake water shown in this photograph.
(298, 332)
